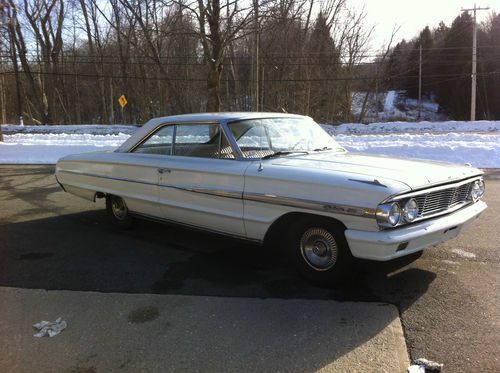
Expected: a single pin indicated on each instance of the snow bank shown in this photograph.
(477, 143)
(480, 150)
(41, 154)
(67, 139)
(47, 148)
(413, 127)
(92, 129)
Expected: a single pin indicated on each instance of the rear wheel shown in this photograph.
(320, 251)
(118, 212)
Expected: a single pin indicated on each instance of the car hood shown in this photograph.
(415, 173)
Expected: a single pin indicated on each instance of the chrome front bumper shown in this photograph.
(383, 245)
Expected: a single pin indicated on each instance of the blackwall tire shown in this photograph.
(118, 212)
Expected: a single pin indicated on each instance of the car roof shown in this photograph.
(200, 117)
(223, 116)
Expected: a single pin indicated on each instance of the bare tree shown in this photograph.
(376, 75)
(218, 26)
(72, 59)
(46, 18)
(352, 38)
(20, 51)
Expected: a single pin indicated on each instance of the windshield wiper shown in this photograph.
(284, 152)
(324, 148)
(328, 148)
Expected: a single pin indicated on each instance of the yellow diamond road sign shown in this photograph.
(123, 101)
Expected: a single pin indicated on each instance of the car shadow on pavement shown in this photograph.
(82, 251)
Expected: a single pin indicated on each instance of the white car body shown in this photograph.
(244, 197)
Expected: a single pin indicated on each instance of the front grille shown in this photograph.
(442, 200)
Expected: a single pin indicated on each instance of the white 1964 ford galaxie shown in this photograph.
(272, 177)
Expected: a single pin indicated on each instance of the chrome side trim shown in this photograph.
(259, 197)
(108, 177)
(225, 193)
(310, 205)
(195, 227)
(215, 192)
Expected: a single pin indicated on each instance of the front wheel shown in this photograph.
(320, 251)
(118, 212)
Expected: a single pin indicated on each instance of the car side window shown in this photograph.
(201, 140)
(255, 137)
(253, 141)
(158, 143)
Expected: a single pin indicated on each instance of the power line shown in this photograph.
(80, 75)
(71, 60)
(279, 56)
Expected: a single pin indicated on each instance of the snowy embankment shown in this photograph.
(47, 148)
(477, 143)
(480, 150)
(386, 128)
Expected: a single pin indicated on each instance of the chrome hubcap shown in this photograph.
(319, 249)
(119, 208)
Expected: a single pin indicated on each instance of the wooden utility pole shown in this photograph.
(2, 81)
(420, 82)
(3, 96)
(111, 98)
(257, 41)
(474, 61)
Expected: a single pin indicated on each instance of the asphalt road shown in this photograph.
(448, 298)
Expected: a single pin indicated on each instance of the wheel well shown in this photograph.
(99, 195)
(283, 222)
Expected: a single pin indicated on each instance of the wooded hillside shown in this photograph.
(69, 61)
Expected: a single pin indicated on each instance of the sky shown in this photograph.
(413, 15)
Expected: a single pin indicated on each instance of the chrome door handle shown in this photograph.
(164, 171)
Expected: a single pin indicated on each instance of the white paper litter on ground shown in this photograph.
(423, 365)
(416, 369)
(49, 328)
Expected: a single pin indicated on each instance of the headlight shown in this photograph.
(477, 190)
(410, 210)
(388, 215)
(482, 188)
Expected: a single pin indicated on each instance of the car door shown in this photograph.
(201, 183)
(134, 175)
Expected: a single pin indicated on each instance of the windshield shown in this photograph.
(259, 138)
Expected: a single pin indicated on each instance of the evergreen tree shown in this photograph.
(453, 86)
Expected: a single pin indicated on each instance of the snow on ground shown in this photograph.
(477, 143)
(414, 127)
(47, 148)
(389, 102)
(92, 129)
(480, 150)
(394, 105)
